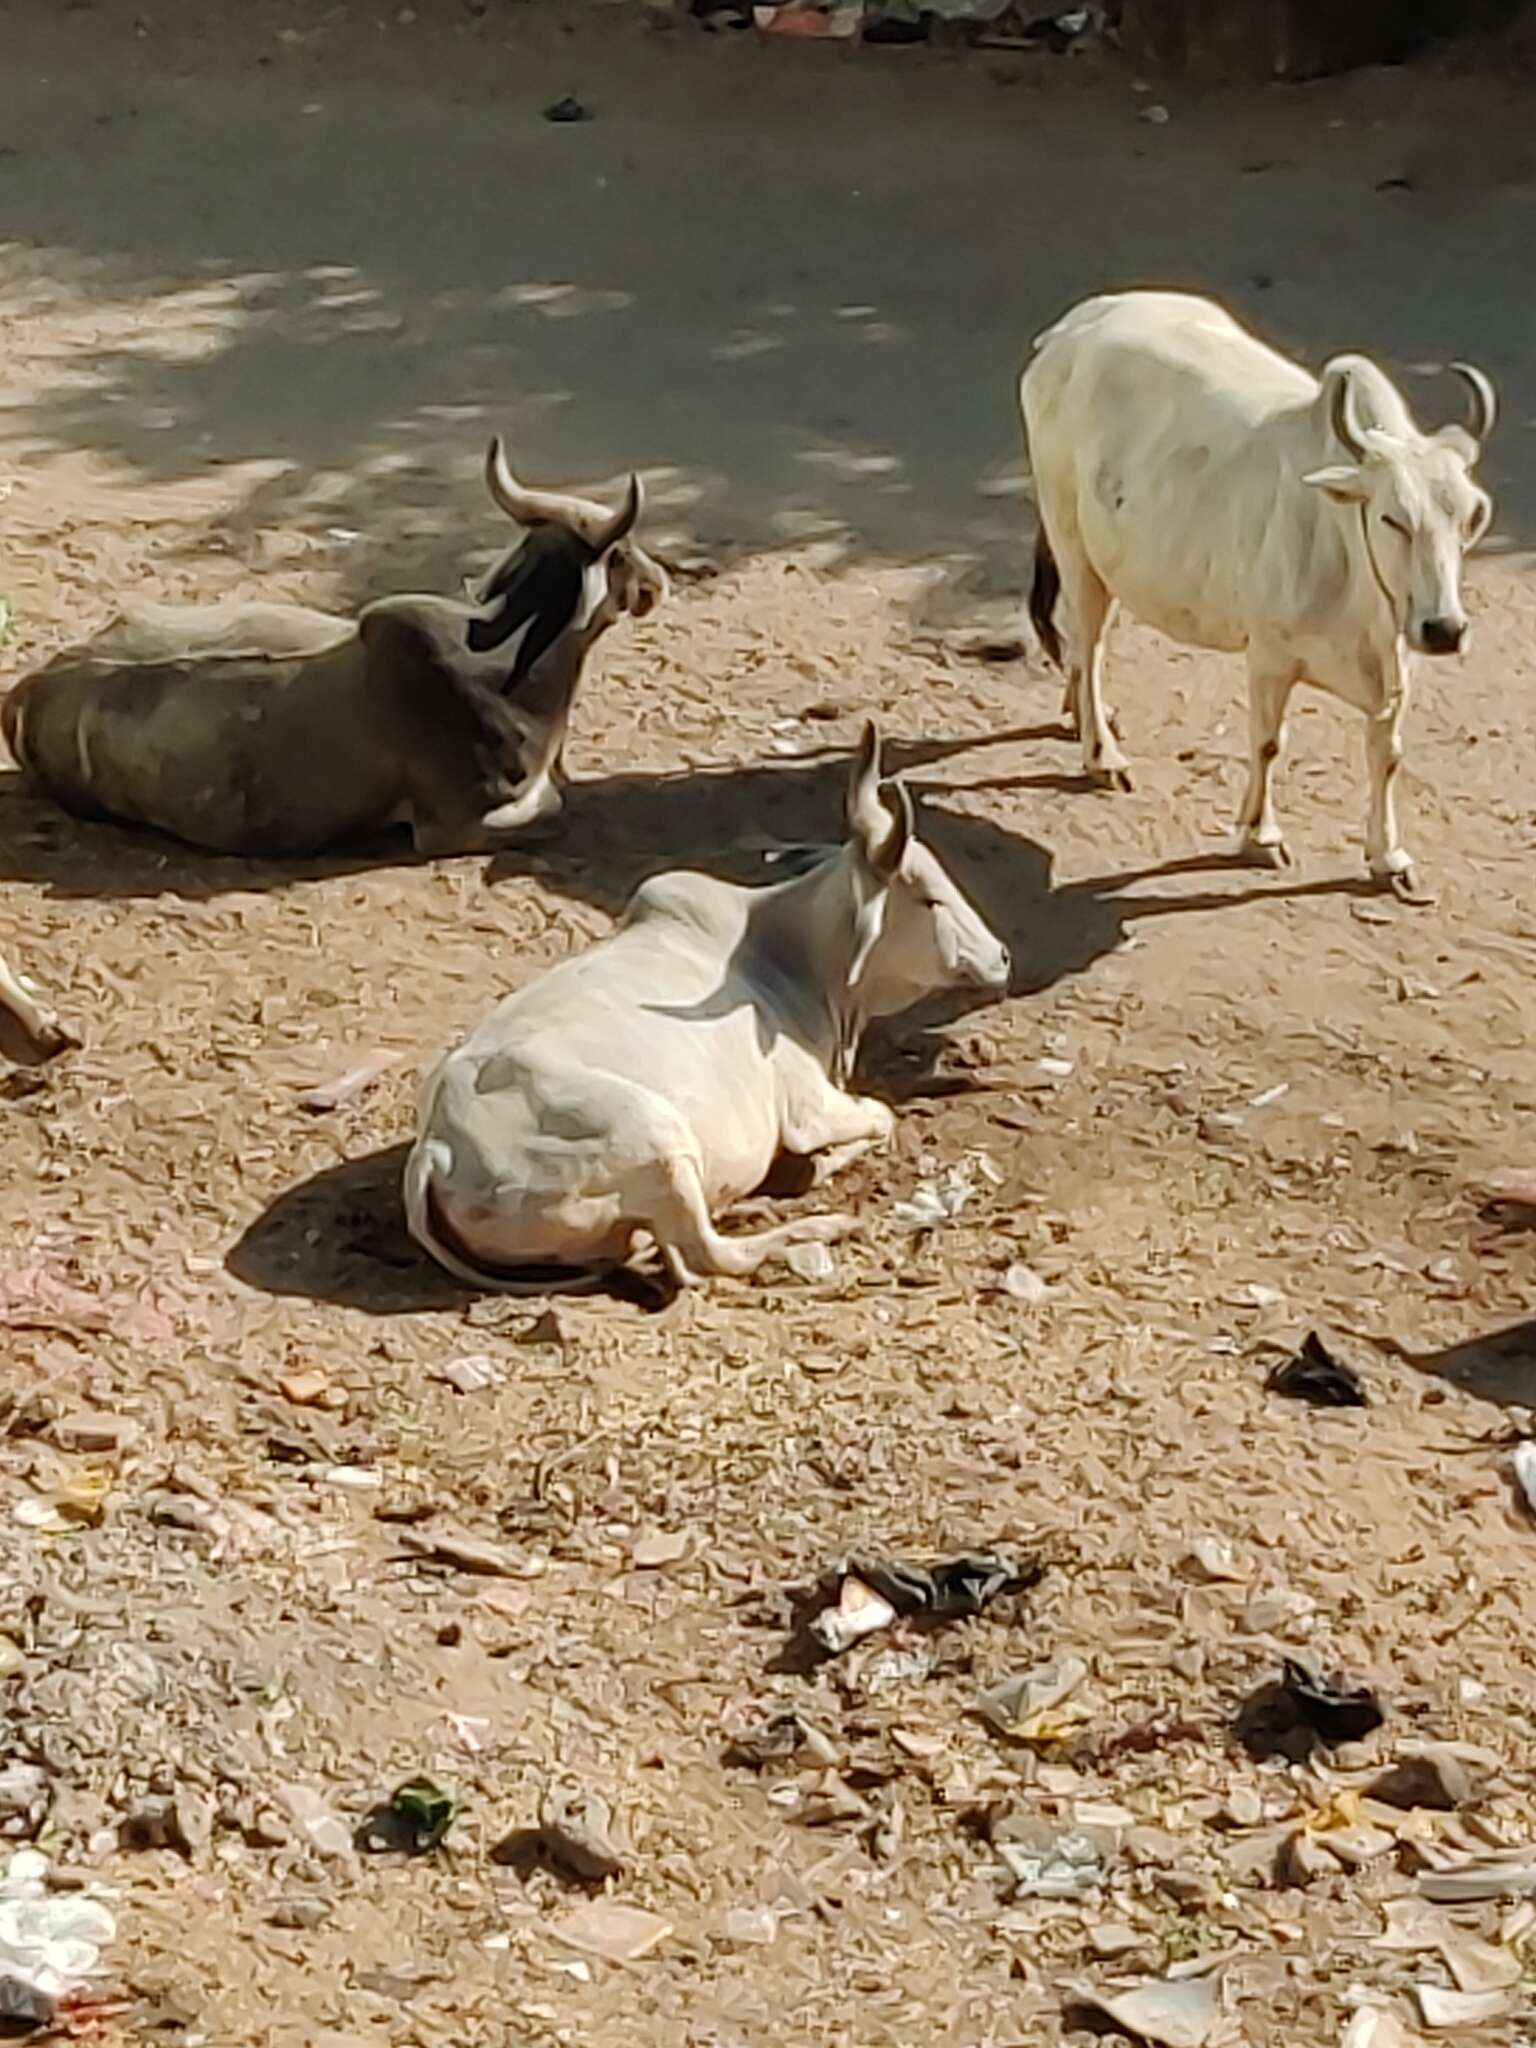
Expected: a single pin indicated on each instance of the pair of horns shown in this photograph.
(594, 524)
(1484, 409)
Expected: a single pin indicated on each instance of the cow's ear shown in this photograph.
(1345, 485)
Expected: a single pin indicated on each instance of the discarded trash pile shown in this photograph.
(994, 24)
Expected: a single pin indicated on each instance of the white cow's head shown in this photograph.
(916, 931)
(1418, 507)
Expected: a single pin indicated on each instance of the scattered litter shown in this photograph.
(777, 1740)
(567, 108)
(619, 1934)
(353, 1478)
(1479, 1966)
(50, 1942)
(859, 1612)
(838, 24)
(1026, 1707)
(1440, 2009)
(955, 1586)
(1291, 1716)
(1213, 1559)
(1523, 1464)
(318, 1823)
(1057, 1069)
(1157, 114)
(416, 1817)
(657, 1547)
(1046, 1863)
(6, 618)
(575, 1833)
(464, 1553)
(1114, 1938)
(810, 1262)
(336, 1094)
(78, 1502)
(751, 1926)
(471, 1374)
(1372, 2026)
(941, 1199)
(1266, 1096)
(1025, 1284)
(1315, 1375)
(1175, 2015)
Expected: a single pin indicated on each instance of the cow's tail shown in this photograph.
(432, 1230)
(1044, 590)
(13, 723)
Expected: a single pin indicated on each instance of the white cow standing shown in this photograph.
(639, 1087)
(1234, 501)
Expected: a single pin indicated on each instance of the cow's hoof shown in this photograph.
(1404, 885)
(1272, 854)
(54, 1037)
(1117, 778)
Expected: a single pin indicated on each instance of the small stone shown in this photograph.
(1303, 1860)
(1155, 1846)
(92, 1432)
(810, 1262)
(1187, 1887)
(1244, 1807)
(25, 1795)
(1432, 1778)
(1115, 1938)
(300, 1913)
(751, 1926)
(304, 1389)
(576, 1834)
(657, 1547)
(268, 1830)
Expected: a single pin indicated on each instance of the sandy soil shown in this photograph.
(273, 275)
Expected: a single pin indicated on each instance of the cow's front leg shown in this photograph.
(1389, 860)
(1269, 692)
(821, 1123)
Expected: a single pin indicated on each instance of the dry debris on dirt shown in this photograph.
(960, 1640)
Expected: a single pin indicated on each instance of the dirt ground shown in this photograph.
(273, 274)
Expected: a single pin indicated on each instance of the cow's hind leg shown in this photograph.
(1092, 609)
(1269, 692)
(37, 1019)
(694, 1249)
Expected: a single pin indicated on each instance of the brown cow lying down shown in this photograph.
(274, 729)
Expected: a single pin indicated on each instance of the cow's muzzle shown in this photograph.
(1442, 636)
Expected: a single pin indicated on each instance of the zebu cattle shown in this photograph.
(278, 730)
(642, 1085)
(1234, 501)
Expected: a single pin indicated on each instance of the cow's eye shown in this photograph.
(1396, 525)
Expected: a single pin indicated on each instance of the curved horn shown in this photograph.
(1342, 417)
(539, 508)
(902, 813)
(1485, 404)
(622, 524)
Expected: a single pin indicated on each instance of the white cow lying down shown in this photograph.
(639, 1087)
(1234, 501)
